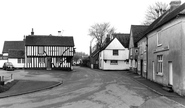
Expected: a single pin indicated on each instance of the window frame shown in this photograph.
(115, 53)
(159, 43)
(19, 60)
(41, 60)
(159, 64)
(39, 50)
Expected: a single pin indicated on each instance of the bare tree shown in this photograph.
(154, 12)
(99, 31)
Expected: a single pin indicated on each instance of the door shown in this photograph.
(141, 66)
(170, 66)
(49, 59)
(153, 70)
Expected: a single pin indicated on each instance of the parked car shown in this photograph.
(8, 66)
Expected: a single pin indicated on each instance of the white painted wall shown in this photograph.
(15, 63)
(122, 65)
(2, 62)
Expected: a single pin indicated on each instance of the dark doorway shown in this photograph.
(141, 65)
(49, 60)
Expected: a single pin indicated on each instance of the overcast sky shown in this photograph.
(73, 17)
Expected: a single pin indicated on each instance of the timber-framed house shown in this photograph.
(48, 52)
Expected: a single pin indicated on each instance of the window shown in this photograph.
(138, 65)
(159, 43)
(41, 50)
(19, 60)
(131, 51)
(144, 66)
(58, 59)
(160, 64)
(115, 52)
(41, 60)
(113, 62)
(29, 60)
(23, 60)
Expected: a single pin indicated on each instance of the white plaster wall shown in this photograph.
(107, 55)
(2, 62)
(15, 63)
(120, 66)
(123, 55)
(116, 45)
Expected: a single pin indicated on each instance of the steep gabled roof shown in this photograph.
(137, 30)
(123, 38)
(15, 53)
(8, 45)
(49, 40)
(165, 18)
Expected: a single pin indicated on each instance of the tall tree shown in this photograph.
(154, 12)
(100, 30)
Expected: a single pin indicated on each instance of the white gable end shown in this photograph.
(115, 44)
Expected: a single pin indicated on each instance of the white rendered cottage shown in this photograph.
(114, 53)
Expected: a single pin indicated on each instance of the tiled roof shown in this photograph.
(19, 45)
(49, 40)
(165, 18)
(16, 53)
(123, 38)
(137, 30)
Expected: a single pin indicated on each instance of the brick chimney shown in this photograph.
(32, 32)
(108, 38)
(174, 4)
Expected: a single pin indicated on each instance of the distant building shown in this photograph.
(13, 51)
(135, 33)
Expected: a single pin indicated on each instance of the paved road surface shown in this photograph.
(86, 88)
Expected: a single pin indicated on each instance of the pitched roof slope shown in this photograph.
(49, 40)
(8, 45)
(165, 18)
(136, 30)
(15, 53)
(123, 38)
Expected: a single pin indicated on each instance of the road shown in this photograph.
(86, 88)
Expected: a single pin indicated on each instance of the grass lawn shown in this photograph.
(6, 87)
(19, 87)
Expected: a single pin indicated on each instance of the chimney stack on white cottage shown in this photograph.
(59, 33)
(174, 4)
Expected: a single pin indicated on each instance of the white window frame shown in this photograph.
(158, 43)
(159, 64)
(19, 60)
(130, 51)
(114, 53)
